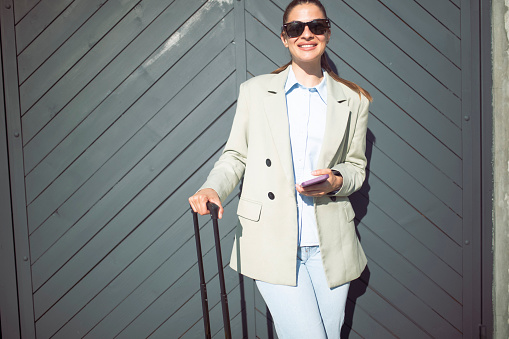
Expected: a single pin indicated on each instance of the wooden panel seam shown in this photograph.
(14, 139)
(9, 306)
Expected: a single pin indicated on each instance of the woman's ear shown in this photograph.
(284, 40)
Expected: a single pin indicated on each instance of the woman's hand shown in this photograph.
(334, 182)
(199, 201)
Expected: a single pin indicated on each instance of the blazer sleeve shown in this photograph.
(353, 169)
(230, 167)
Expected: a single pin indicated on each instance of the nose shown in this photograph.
(307, 33)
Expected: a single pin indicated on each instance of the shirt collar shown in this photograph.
(321, 88)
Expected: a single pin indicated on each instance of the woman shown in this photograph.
(298, 243)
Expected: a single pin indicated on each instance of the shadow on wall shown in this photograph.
(360, 202)
(269, 323)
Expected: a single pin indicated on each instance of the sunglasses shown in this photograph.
(295, 28)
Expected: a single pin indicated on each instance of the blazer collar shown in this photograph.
(277, 82)
(338, 114)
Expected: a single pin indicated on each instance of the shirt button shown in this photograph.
(271, 196)
(268, 162)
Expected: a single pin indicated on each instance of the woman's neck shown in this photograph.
(308, 75)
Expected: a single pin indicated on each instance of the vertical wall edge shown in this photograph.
(16, 170)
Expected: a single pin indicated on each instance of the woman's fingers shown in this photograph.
(319, 190)
(314, 190)
(194, 201)
(199, 201)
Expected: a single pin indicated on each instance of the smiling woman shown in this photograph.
(307, 47)
(316, 28)
(297, 241)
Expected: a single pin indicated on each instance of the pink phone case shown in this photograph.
(315, 181)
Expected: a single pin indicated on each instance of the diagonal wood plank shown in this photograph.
(130, 185)
(444, 11)
(31, 56)
(427, 324)
(403, 36)
(123, 299)
(150, 208)
(33, 16)
(80, 201)
(413, 249)
(44, 86)
(428, 27)
(416, 194)
(69, 110)
(434, 305)
(440, 90)
(408, 218)
(415, 164)
(58, 193)
(126, 217)
(22, 7)
(171, 285)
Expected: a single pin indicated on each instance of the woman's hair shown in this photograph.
(324, 63)
(295, 3)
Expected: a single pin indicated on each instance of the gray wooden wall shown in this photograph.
(122, 107)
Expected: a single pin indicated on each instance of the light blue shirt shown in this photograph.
(307, 110)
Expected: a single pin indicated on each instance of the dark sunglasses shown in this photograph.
(295, 28)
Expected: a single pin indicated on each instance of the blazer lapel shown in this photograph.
(338, 113)
(276, 113)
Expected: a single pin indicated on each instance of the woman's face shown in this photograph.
(308, 47)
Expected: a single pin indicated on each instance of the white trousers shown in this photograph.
(311, 309)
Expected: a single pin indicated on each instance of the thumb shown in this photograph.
(320, 171)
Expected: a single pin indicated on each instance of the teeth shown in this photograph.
(306, 45)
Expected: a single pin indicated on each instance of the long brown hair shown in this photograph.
(323, 60)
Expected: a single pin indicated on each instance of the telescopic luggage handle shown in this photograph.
(214, 211)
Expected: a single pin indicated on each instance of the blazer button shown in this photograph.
(268, 162)
(271, 196)
(333, 199)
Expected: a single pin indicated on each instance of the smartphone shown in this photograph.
(316, 180)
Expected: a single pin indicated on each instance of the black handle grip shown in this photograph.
(214, 210)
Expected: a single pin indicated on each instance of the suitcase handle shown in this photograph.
(214, 211)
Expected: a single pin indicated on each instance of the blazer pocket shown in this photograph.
(349, 212)
(249, 209)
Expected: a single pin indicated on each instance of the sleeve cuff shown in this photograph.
(337, 173)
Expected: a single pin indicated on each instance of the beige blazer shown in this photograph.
(258, 149)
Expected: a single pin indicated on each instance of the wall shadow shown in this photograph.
(242, 306)
(270, 324)
(360, 202)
